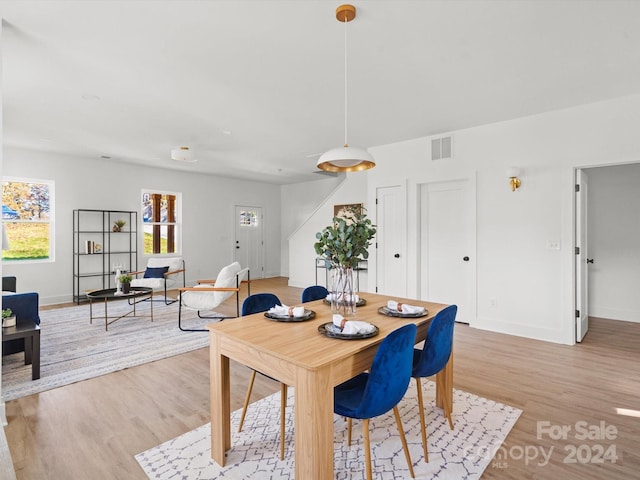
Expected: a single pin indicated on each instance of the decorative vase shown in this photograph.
(126, 287)
(118, 271)
(343, 295)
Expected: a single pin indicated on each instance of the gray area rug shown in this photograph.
(72, 349)
(481, 425)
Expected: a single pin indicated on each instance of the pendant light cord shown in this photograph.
(345, 80)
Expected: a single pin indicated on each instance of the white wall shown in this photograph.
(532, 284)
(613, 240)
(207, 211)
(300, 201)
(3, 417)
(301, 253)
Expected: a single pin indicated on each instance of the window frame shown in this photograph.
(51, 221)
(177, 224)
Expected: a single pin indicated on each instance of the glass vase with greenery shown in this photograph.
(343, 244)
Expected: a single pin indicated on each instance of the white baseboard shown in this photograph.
(615, 314)
(519, 330)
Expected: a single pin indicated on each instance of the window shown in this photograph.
(248, 218)
(160, 222)
(27, 219)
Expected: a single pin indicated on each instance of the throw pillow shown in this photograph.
(157, 272)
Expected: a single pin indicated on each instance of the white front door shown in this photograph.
(390, 238)
(248, 241)
(447, 246)
(582, 277)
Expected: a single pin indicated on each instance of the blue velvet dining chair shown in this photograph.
(314, 292)
(374, 393)
(431, 359)
(256, 303)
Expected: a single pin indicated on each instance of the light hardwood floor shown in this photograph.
(93, 429)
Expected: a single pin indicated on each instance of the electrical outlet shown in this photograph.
(553, 245)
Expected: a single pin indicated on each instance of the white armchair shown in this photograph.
(162, 273)
(208, 294)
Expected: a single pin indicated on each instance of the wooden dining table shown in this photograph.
(298, 354)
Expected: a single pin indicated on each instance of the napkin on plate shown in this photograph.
(284, 311)
(403, 307)
(352, 327)
(339, 297)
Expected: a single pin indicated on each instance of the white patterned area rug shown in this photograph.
(72, 349)
(481, 426)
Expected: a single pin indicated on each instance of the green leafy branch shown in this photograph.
(346, 241)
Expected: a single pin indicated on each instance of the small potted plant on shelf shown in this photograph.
(118, 225)
(8, 318)
(125, 280)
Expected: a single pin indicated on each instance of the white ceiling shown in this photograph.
(133, 79)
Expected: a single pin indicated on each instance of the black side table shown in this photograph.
(31, 334)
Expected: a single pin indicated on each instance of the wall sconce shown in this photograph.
(514, 181)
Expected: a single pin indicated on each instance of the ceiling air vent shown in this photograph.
(442, 148)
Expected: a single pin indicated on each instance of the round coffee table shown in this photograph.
(109, 294)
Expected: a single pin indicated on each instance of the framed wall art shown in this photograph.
(341, 211)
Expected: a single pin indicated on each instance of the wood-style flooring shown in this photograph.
(93, 429)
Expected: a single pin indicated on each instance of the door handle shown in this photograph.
(237, 246)
(397, 255)
(589, 260)
(466, 259)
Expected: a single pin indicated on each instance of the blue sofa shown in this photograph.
(25, 306)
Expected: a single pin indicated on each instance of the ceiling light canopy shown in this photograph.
(346, 158)
(183, 154)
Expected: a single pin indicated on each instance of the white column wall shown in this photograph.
(300, 201)
(3, 417)
(301, 252)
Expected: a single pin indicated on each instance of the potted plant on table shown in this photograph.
(8, 318)
(118, 225)
(125, 280)
(343, 244)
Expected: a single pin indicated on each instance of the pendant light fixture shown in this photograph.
(346, 158)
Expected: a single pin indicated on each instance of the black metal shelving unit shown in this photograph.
(96, 248)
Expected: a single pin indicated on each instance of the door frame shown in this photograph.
(402, 194)
(581, 271)
(470, 190)
(254, 275)
(571, 305)
(412, 239)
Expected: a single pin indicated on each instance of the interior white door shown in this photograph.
(248, 239)
(447, 266)
(390, 237)
(582, 277)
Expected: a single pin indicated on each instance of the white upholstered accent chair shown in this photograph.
(162, 273)
(208, 294)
